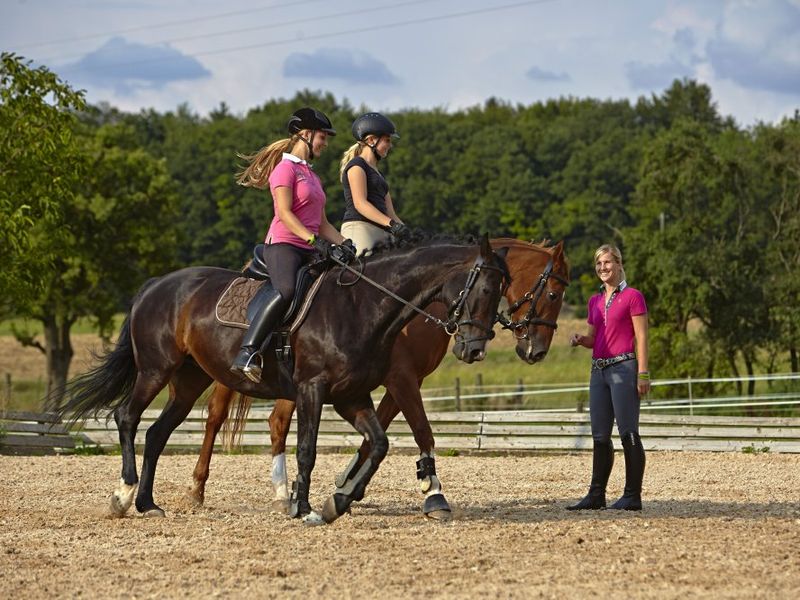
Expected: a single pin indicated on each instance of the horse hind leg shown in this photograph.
(186, 385)
(127, 418)
(218, 407)
(366, 422)
(279, 422)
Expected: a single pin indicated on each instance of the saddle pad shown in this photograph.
(231, 309)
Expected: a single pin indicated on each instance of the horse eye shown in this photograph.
(553, 296)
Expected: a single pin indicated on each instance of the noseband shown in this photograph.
(533, 295)
(453, 325)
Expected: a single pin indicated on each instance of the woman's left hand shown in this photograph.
(643, 386)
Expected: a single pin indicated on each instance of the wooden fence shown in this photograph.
(501, 431)
(31, 433)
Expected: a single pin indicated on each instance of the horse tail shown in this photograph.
(233, 429)
(105, 387)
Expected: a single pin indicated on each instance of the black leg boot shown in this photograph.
(269, 316)
(602, 463)
(634, 473)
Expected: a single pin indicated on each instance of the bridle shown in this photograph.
(452, 326)
(459, 305)
(533, 295)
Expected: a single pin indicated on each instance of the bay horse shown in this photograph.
(342, 352)
(539, 277)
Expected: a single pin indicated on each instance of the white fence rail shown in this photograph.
(574, 396)
(501, 431)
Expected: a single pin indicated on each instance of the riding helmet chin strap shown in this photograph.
(373, 147)
(310, 144)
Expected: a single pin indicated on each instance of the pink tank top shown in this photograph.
(308, 199)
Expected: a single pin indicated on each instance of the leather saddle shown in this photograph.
(241, 299)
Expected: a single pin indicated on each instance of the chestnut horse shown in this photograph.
(539, 277)
(341, 352)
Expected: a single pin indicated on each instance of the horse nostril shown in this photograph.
(477, 355)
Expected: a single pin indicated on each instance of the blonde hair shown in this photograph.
(614, 252)
(349, 154)
(261, 164)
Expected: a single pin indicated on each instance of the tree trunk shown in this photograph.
(58, 353)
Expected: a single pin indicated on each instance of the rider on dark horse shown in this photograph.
(298, 229)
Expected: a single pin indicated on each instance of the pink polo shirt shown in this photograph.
(308, 199)
(614, 329)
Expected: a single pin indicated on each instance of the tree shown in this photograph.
(704, 262)
(119, 230)
(40, 164)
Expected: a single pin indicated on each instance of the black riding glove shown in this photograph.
(344, 252)
(399, 231)
(322, 246)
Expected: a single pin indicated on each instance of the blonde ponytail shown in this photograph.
(260, 165)
(350, 154)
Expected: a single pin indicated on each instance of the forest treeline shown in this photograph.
(706, 212)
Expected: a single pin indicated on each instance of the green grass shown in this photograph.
(81, 326)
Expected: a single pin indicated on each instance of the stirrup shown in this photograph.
(252, 370)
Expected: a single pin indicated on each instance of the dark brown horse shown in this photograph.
(539, 277)
(341, 354)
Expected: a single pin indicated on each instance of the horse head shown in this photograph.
(535, 296)
(472, 312)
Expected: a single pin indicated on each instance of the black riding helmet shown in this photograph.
(313, 119)
(309, 118)
(373, 124)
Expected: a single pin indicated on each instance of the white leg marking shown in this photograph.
(280, 482)
(122, 498)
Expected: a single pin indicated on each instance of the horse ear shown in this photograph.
(502, 252)
(558, 249)
(486, 247)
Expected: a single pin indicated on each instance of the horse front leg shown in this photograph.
(352, 489)
(405, 395)
(218, 407)
(280, 419)
(310, 398)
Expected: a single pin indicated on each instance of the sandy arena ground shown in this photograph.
(714, 525)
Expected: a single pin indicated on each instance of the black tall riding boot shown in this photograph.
(602, 463)
(634, 473)
(269, 316)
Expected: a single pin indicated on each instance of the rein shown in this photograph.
(452, 325)
(532, 296)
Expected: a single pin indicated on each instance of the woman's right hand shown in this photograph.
(576, 340)
(399, 230)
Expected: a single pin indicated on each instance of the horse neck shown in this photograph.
(525, 263)
(417, 275)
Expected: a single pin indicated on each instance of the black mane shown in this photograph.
(419, 237)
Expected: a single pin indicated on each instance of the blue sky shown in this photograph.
(395, 54)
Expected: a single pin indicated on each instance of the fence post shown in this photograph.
(6, 401)
(518, 397)
(458, 394)
(691, 402)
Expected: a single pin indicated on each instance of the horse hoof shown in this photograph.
(122, 499)
(154, 512)
(329, 512)
(440, 515)
(280, 506)
(195, 498)
(313, 518)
